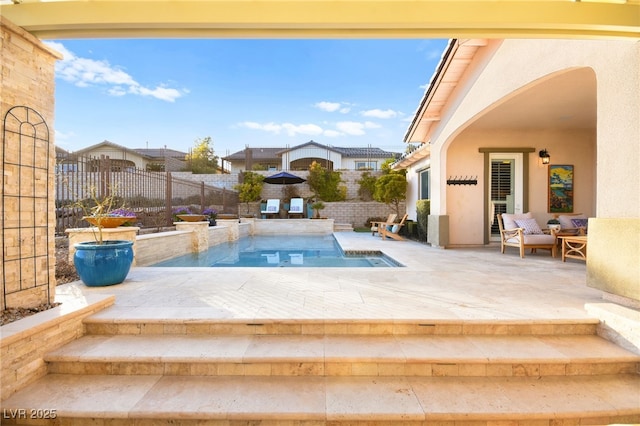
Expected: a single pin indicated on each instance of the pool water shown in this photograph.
(281, 251)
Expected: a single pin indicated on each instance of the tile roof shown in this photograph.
(160, 153)
(258, 154)
(275, 153)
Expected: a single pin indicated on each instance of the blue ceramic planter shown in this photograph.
(103, 264)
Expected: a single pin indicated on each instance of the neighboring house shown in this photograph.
(301, 156)
(493, 105)
(252, 158)
(123, 158)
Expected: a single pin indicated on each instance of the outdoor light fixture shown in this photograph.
(544, 154)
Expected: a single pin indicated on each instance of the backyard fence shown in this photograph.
(152, 196)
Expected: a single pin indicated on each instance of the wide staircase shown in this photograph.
(312, 373)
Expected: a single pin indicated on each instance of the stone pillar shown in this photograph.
(27, 70)
(199, 234)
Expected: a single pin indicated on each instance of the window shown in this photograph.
(425, 178)
(366, 165)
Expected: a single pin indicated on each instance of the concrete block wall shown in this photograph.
(355, 213)
(27, 70)
(350, 179)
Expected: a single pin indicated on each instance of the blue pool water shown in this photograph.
(281, 251)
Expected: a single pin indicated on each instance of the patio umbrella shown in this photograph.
(283, 178)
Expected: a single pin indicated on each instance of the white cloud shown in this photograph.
(62, 136)
(302, 129)
(288, 128)
(355, 128)
(378, 113)
(84, 72)
(332, 133)
(333, 106)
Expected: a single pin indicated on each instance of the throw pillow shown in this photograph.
(509, 219)
(530, 226)
(395, 229)
(580, 223)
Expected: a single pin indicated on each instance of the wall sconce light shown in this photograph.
(544, 154)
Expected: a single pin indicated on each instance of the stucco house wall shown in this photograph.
(464, 159)
(606, 156)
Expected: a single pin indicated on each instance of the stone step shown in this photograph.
(198, 321)
(339, 355)
(314, 401)
(342, 227)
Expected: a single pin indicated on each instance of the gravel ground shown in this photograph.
(65, 273)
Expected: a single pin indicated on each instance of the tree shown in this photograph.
(325, 183)
(391, 188)
(202, 159)
(250, 189)
(367, 186)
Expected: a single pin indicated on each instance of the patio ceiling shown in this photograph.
(560, 102)
(58, 19)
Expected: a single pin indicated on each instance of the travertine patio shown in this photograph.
(468, 283)
(512, 339)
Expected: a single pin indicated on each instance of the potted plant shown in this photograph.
(553, 224)
(317, 206)
(250, 188)
(211, 215)
(103, 262)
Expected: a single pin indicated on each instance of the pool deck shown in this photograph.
(462, 283)
(343, 346)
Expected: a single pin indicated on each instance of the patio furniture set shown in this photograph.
(523, 232)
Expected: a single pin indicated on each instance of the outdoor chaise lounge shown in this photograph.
(297, 207)
(272, 208)
(392, 229)
(375, 226)
(523, 232)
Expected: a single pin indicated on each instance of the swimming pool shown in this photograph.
(271, 251)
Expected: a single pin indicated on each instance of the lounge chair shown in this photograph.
(273, 207)
(392, 229)
(523, 232)
(376, 225)
(296, 208)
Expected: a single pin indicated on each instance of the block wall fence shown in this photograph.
(350, 179)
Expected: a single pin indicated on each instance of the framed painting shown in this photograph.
(560, 188)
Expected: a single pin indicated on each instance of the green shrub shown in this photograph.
(423, 209)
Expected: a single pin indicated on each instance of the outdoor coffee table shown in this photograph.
(574, 247)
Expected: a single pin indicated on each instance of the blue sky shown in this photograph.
(261, 93)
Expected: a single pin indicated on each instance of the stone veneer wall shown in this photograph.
(27, 79)
(24, 343)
